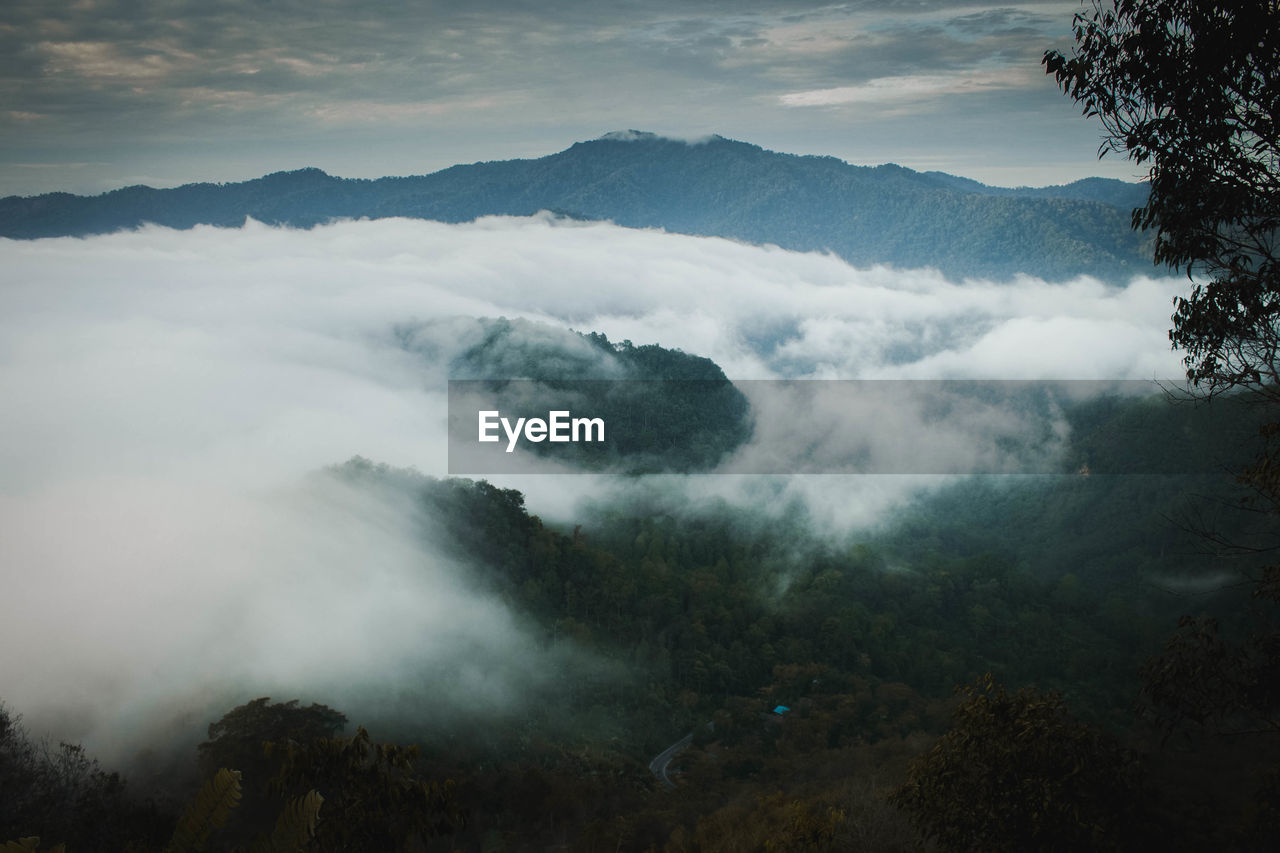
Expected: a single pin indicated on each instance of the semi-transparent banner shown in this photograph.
(1080, 427)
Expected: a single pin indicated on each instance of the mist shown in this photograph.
(167, 549)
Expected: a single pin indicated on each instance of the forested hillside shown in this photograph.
(809, 669)
(718, 187)
(666, 410)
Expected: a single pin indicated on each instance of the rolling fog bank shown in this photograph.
(169, 393)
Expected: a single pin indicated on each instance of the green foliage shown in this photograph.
(711, 599)
(209, 811)
(773, 824)
(236, 739)
(375, 798)
(1017, 773)
(295, 827)
(60, 793)
(1191, 88)
(30, 844)
(665, 410)
(1226, 681)
(705, 611)
(1203, 679)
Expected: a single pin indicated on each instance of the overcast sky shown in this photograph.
(98, 94)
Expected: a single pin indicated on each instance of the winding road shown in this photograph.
(658, 767)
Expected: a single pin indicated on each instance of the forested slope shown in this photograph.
(718, 187)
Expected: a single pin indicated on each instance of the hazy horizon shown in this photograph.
(617, 133)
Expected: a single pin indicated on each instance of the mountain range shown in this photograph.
(714, 187)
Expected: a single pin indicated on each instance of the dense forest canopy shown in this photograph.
(712, 615)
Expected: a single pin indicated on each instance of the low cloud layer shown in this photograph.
(168, 394)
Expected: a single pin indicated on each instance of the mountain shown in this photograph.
(715, 187)
(666, 410)
(1108, 191)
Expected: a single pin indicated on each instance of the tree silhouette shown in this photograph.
(1017, 772)
(1191, 88)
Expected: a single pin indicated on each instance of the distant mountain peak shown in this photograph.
(627, 136)
(707, 187)
(307, 173)
(648, 136)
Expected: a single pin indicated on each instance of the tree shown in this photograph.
(375, 798)
(1192, 89)
(236, 740)
(1017, 772)
(64, 796)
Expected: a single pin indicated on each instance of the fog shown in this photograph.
(166, 549)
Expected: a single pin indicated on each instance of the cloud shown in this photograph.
(917, 87)
(102, 61)
(365, 111)
(168, 394)
(1002, 21)
(133, 601)
(233, 89)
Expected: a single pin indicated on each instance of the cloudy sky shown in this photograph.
(97, 94)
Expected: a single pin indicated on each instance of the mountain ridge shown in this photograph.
(714, 186)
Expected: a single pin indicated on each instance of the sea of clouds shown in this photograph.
(164, 550)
